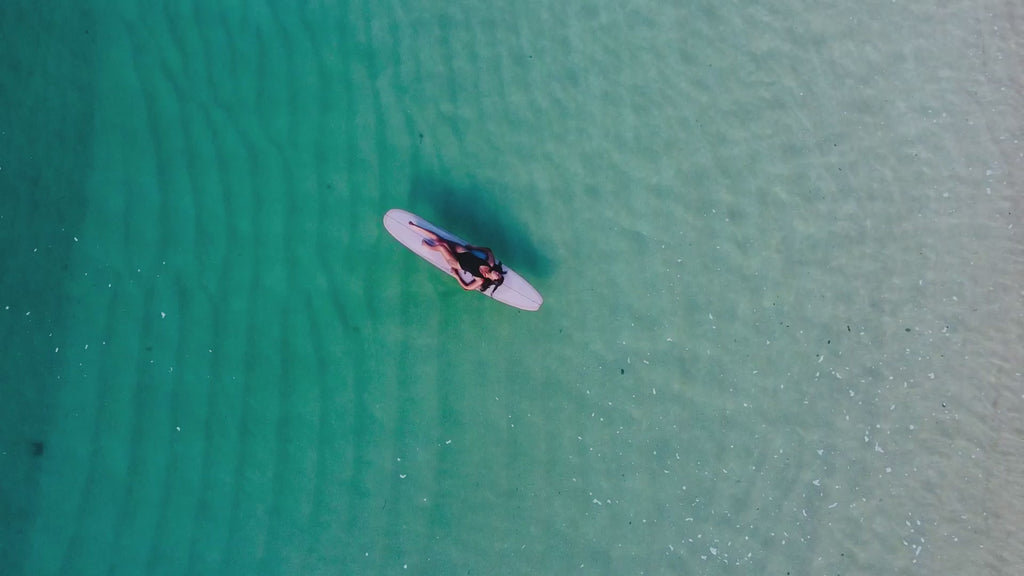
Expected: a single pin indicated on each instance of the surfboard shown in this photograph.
(514, 291)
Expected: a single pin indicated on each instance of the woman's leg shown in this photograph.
(445, 251)
(452, 246)
(438, 244)
(430, 235)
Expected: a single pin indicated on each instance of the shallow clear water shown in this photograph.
(779, 250)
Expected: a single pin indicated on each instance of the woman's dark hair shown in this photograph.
(488, 282)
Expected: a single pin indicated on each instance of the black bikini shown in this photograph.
(471, 263)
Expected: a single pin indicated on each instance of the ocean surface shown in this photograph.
(780, 250)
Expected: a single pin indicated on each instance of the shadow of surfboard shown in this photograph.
(478, 219)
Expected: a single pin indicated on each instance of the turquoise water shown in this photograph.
(779, 249)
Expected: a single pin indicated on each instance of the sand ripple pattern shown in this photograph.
(215, 410)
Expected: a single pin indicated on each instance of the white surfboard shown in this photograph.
(514, 291)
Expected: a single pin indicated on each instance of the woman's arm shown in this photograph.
(474, 285)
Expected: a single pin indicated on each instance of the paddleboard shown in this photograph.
(514, 291)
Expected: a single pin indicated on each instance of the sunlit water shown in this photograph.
(779, 250)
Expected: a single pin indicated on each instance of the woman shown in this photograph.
(486, 271)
